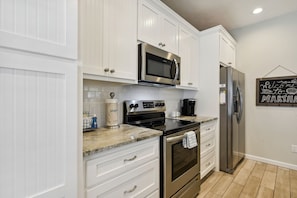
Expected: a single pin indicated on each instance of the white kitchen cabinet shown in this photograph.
(157, 28)
(227, 50)
(207, 147)
(108, 40)
(43, 27)
(127, 171)
(189, 52)
(209, 65)
(40, 136)
(39, 131)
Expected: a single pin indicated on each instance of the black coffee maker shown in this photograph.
(188, 107)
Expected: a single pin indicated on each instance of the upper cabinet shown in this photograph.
(108, 40)
(188, 51)
(43, 27)
(156, 28)
(227, 50)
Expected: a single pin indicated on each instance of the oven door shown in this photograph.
(181, 165)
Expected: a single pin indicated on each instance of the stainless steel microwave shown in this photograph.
(156, 66)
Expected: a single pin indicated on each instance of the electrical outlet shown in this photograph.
(294, 148)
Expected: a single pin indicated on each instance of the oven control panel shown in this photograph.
(140, 106)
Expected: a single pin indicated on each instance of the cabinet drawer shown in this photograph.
(207, 163)
(207, 142)
(139, 182)
(110, 164)
(207, 127)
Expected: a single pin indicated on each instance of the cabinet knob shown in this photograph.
(160, 44)
(230, 63)
(112, 71)
(106, 70)
(163, 45)
(190, 83)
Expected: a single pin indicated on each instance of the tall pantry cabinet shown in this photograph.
(39, 134)
(217, 47)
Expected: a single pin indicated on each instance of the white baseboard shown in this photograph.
(273, 162)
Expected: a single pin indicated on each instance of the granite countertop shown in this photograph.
(104, 138)
(200, 119)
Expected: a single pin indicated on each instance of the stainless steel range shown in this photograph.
(179, 165)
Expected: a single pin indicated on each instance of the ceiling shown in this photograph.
(231, 14)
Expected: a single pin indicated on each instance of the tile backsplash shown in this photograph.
(95, 93)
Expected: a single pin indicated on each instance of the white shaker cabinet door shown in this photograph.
(227, 52)
(40, 26)
(156, 28)
(149, 26)
(108, 39)
(39, 131)
(189, 52)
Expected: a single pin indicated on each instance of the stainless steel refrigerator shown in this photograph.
(232, 119)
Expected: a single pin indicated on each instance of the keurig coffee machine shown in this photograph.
(188, 107)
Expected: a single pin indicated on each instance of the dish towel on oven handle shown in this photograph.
(190, 140)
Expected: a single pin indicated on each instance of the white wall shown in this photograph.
(270, 131)
(95, 93)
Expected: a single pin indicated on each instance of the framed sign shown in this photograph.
(276, 91)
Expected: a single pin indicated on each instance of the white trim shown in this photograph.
(270, 161)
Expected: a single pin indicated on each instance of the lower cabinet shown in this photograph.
(207, 147)
(127, 171)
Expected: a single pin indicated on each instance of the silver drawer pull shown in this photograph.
(129, 191)
(131, 159)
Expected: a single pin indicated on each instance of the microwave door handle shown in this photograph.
(176, 70)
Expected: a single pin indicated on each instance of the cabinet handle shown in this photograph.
(208, 145)
(229, 63)
(129, 191)
(207, 165)
(160, 44)
(190, 83)
(106, 70)
(112, 71)
(131, 159)
(163, 45)
(207, 129)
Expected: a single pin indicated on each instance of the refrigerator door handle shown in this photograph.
(240, 102)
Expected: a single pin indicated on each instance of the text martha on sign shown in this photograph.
(276, 91)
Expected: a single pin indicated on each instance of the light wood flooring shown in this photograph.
(251, 179)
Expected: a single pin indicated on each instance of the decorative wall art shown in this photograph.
(277, 91)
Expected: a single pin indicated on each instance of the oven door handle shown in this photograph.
(175, 138)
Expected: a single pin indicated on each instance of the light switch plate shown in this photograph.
(294, 148)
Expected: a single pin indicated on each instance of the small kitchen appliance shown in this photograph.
(179, 164)
(188, 107)
(157, 67)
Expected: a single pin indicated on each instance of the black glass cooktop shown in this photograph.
(172, 126)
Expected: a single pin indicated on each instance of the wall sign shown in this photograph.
(276, 91)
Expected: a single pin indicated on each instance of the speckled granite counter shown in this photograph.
(200, 119)
(104, 138)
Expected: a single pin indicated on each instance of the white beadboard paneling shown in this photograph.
(36, 110)
(38, 134)
(41, 26)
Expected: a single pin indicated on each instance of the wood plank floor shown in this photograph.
(251, 179)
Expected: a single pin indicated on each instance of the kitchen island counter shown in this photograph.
(105, 138)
